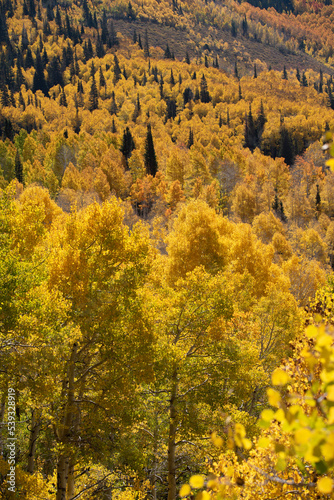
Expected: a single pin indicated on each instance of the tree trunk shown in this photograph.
(70, 482)
(62, 475)
(171, 439)
(34, 432)
(65, 431)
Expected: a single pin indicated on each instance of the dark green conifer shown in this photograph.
(150, 160)
(18, 167)
(93, 96)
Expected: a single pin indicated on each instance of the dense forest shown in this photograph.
(166, 249)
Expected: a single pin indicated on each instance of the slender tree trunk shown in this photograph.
(70, 482)
(155, 457)
(34, 432)
(65, 431)
(62, 475)
(172, 439)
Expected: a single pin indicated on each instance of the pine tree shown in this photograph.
(240, 93)
(62, 100)
(234, 30)
(117, 70)
(285, 74)
(113, 105)
(104, 28)
(167, 54)
(93, 96)
(298, 74)
(304, 80)
(286, 149)
(204, 93)
(187, 58)
(255, 71)
(190, 139)
(39, 82)
(318, 200)
(321, 81)
(128, 145)
(103, 82)
(172, 81)
(18, 167)
(146, 45)
(150, 160)
(236, 72)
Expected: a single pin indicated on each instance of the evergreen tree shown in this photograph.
(318, 200)
(285, 74)
(104, 28)
(39, 82)
(204, 93)
(236, 72)
(234, 30)
(113, 127)
(139, 42)
(187, 58)
(63, 100)
(28, 61)
(187, 95)
(298, 74)
(103, 82)
(113, 40)
(228, 117)
(304, 80)
(130, 12)
(172, 81)
(55, 75)
(255, 71)
(190, 139)
(167, 54)
(146, 45)
(250, 131)
(321, 81)
(161, 87)
(99, 49)
(150, 160)
(245, 27)
(93, 96)
(117, 70)
(171, 109)
(18, 167)
(134, 38)
(206, 64)
(128, 145)
(286, 149)
(240, 93)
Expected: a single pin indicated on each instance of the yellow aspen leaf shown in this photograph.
(325, 485)
(274, 397)
(217, 440)
(246, 443)
(326, 376)
(212, 484)
(185, 490)
(330, 163)
(330, 393)
(263, 442)
(196, 481)
(302, 436)
(203, 495)
(311, 331)
(240, 430)
(279, 415)
(331, 415)
(280, 377)
(267, 415)
(328, 451)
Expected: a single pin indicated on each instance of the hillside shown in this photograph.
(166, 232)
